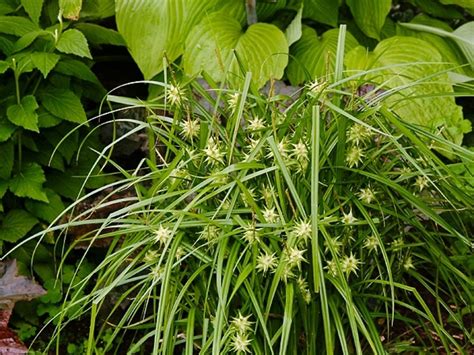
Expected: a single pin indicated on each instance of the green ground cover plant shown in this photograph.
(334, 215)
(46, 89)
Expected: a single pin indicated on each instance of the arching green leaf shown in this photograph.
(429, 103)
(467, 4)
(16, 25)
(324, 11)
(294, 30)
(33, 9)
(370, 15)
(262, 50)
(315, 56)
(156, 28)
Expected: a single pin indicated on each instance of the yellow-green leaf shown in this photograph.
(73, 42)
(70, 8)
(262, 49)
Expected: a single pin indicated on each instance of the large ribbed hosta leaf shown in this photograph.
(315, 56)
(262, 49)
(155, 28)
(370, 15)
(419, 91)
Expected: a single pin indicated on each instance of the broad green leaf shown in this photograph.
(266, 10)
(467, 4)
(463, 36)
(426, 105)
(370, 15)
(6, 8)
(436, 9)
(73, 42)
(6, 129)
(76, 69)
(4, 66)
(294, 30)
(64, 104)
(262, 49)
(450, 53)
(3, 188)
(315, 56)
(98, 9)
(16, 25)
(44, 61)
(46, 119)
(27, 39)
(33, 9)
(6, 46)
(323, 11)
(465, 40)
(96, 34)
(154, 29)
(7, 159)
(46, 211)
(24, 114)
(28, 183)
(15, 225)
(70, 9)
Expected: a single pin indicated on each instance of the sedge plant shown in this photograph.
(315, 223)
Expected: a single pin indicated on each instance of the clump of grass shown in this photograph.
(273, 224)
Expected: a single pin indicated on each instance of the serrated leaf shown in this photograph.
(294, 30)
(27, 39)
(315, 56)
(73, 42)
(28, 183)
(44, 61)
(6, 129)
(77, 69)
(6, 161)
(16, 25)
(430, 104)
(96, 34)
(24, 114)
(323, 11)
(210, 47)
(33, 9)
(46, 119)
(370, 15)
(46, 211)
(70, 9)
(154, 28)
(64, 104)
(15, 225)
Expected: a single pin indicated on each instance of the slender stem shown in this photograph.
(251, 7)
